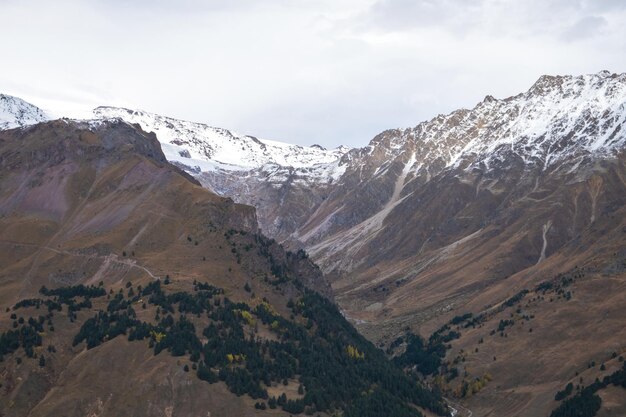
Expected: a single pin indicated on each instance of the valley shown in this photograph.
(482, 250)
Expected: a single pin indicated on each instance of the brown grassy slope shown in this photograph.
(533, 359)
(89, 204)
(84, 204)
(453, 240)
(456, 246)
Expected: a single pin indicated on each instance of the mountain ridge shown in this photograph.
(213, 144)
(15, 112)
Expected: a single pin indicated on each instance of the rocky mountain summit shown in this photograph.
(204, 148)
(15, 112)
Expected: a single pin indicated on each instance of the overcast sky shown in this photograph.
(309, 71)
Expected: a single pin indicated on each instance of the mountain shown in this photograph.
(299, 176)
(205, 148)
(503, 224)
(482, 249)
(461, 213)
(129, 289)
(15, 112)
(511, 148)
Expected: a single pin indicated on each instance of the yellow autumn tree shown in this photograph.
(354, 353)
(157, 336)
(246, 316)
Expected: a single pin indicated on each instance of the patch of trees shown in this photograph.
(30, 302)
(27, 337)
(194, 303)
(503, 324)
(180, 338)
(320, 355)
(206, 374)
(516, 298)
(104, 326)
(474, 321)
(559, 282)
(376, 403)
(118, 303)
(586, 402)
(240, 381)
(279, 269)
(67, 293)
(471, 387)
(326, 369)
(425, 357)
(337, 368)
(460, 319)
(561, 395)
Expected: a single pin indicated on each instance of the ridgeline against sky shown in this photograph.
(327, 72)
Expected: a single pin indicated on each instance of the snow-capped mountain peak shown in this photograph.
(15, 112)
(207, 148)
(556, 118)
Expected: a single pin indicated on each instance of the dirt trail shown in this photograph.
(107, 260)
(457, 409)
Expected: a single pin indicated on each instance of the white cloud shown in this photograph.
(311, 71)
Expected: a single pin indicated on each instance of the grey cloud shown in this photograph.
(584, 28)
(397, 15)
(605, 5)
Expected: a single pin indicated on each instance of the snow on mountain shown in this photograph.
(204, 148)
(15, 112)
(560, 126)
(558, 117)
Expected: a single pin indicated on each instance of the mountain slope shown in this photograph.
(559, 120)
(560, 123)
(15, 112)
(297, 175)
(496, 233)
(461, 213)
(115, 262)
